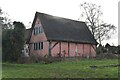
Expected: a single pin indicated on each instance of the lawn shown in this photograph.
(63, 69)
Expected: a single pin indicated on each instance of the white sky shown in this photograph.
(24, 10)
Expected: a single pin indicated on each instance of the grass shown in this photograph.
(0, 61)
(63, 69)
(0, 70)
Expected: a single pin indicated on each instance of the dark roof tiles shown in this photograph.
(62, 29)
(27, 32)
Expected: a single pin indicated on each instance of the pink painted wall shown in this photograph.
(93, 52)
(64, 49)
(87, 52)
(38, 38)
(74, 49)
(55, 50)
(80, 50)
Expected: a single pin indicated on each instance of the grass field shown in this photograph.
(63, 69)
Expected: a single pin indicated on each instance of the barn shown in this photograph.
(59, 37)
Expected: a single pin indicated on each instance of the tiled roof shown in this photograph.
(62, 29)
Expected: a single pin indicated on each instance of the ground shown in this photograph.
(85, 68)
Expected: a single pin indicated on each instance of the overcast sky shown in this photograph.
(24, 10)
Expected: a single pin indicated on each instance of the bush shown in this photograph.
(101, 49)
(107, 56)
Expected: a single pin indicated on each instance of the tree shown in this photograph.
(13, 42)
(107, 45)
(92, 14)
(100, 49)
(18, 39)
(1, 20)
(7, 47)
(5, 22)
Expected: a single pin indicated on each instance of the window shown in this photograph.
(41, 45)
(41, 30)
(38, 30)
(38, 46)
(35, 31)
(35, 46)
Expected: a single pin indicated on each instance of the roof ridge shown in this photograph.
(59, 17)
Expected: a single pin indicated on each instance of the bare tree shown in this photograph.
(92, 15)
(5, 22)
(1, 19)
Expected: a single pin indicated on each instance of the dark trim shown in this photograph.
(38, 45)
(54, 45)
(49, 50)
(68, 49)
(90, 50)
(31, 29)
(60, 48)
(83, 48)
(93, 47)
(79, 42)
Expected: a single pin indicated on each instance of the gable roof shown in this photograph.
(62, 29)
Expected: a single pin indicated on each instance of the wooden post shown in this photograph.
(54, 45)
(60, 49)
(68, 49)
(29, 49)
(30, 46)
(49, 49)
(93, 47)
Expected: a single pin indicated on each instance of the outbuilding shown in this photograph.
(60, 37)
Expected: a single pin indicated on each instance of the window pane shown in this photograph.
(42, 30)
(34, 31)
(41, 45)
(38, 46)
(38, 30)
(34, 46)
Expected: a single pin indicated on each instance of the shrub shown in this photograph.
(107, 56)
(101, 49)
